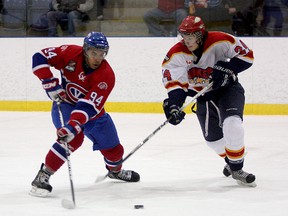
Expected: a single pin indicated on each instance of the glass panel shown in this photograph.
(153, 18)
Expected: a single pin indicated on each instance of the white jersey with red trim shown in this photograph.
(182, 70)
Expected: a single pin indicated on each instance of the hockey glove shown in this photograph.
(53, 89)
(172, 111)
(67, 133)
(221, 75)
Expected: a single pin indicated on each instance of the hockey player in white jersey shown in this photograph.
(201, 57)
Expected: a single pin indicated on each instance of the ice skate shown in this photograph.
(40, 185)
(125, 175)
(226, 170)
(242, 177)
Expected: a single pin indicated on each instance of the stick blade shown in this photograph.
(68, 204)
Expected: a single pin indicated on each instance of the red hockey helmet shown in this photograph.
(193, 25)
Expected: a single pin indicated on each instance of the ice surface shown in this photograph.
(180, 175)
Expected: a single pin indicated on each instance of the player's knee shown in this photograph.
(233, 130)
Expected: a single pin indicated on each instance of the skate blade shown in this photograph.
(38, 192)
(253, 184)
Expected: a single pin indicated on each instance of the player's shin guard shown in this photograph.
(233, 133)
(56, 157)
(112, 157)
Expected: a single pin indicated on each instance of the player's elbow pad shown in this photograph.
(237, 65)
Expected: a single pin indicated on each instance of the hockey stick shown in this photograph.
(203, 91)
(68, 204)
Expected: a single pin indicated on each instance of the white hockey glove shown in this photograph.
(53, 89)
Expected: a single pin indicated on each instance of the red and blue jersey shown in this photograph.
(85, 88)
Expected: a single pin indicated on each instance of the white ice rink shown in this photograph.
(180, 175)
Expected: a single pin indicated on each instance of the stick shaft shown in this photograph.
(203, 91)
(67, 155)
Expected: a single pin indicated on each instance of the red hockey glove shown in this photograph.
(54, 91)
(67, 133)
(172, 111)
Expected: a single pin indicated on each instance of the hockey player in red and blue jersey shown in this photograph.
(199, 58)
(86, 82)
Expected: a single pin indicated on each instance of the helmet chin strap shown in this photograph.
(85, 57)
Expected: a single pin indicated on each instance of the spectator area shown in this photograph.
(18, 15)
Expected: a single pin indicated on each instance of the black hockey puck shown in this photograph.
(138, 206)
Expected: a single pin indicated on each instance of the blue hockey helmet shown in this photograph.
(96, 40)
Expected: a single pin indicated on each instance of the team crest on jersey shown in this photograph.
(75, 92)
(103, 85)
(82, 76)
(71, 66)
(199, 76)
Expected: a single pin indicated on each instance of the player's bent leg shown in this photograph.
(234, 136)
(219, 147)
(55, 158)
(110, 147)
(212, 130)
(112, 158)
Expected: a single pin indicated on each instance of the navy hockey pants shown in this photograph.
(222, 103)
